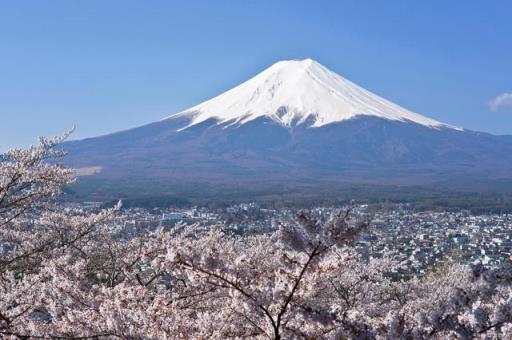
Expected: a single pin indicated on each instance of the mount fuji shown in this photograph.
(295, 91)
(294, 122)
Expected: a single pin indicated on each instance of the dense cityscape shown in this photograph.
(416, 240)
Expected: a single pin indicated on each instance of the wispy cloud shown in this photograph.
(502, 101)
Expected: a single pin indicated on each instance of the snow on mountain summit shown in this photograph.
(295, 91)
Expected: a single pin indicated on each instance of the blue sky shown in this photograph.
(110, 65)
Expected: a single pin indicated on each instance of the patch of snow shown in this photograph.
(293, 91)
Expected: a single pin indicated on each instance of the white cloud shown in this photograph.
(501, 101)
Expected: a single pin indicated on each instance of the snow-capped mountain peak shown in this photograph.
(295, 91)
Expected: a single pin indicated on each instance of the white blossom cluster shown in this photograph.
(71, 275)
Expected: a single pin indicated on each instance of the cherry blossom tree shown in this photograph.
(33, 226)
(73, 274)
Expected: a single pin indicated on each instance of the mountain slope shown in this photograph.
(295, 91)
(294, 122)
